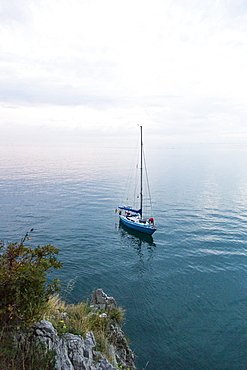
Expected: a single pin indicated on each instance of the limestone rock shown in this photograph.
(102, 301)
(123, 355)
(72, 351)
(76, 353)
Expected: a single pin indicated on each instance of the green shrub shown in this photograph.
(24, 295)
(18, 352)
(24, 290)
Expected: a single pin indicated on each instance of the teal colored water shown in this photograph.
(185, 291)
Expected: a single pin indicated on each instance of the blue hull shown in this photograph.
(146, 229)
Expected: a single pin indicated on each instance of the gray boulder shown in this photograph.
(72, 351)
(102, 301)
(76, 353)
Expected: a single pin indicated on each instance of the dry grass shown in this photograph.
(54, 304)
(81, 318)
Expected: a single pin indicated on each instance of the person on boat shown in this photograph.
(151, 220)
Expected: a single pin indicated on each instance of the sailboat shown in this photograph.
(133, 218)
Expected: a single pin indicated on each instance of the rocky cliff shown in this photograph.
(76, 353)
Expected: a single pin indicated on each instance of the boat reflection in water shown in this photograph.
(144, 247)
(137, 238)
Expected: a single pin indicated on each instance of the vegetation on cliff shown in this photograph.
(26, 297)
(82, 318)
(24, 290)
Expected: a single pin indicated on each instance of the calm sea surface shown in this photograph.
(185, 291)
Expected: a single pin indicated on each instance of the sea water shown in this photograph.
(185, 290)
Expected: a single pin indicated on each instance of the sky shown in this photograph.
(78, 71)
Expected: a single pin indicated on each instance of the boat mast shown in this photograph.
(141, 176)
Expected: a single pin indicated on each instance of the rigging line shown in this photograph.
(136, 185)
(149, 192)
(130, 176)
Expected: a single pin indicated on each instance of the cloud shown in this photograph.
(178, 67)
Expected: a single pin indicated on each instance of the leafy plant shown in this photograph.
(24, 295)
(24, 289)
(18, 352)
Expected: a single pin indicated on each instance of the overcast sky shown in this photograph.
(74, 69)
